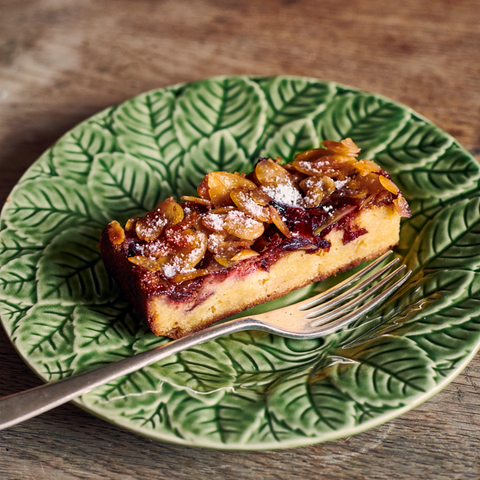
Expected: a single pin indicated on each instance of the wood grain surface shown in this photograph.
(63, 60)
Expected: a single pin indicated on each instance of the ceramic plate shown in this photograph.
(250, 390)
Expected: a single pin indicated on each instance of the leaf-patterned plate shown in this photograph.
(250, 390)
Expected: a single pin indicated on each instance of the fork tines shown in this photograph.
(318, 315)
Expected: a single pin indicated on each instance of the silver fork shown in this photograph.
(304, 320)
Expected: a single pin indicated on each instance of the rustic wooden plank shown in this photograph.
(61, 61)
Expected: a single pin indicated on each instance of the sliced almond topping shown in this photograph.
(214, 222)
(244, 254)
(389, 185)
(229, 247)
(317, 188)
(223, 261)
(402, 207)
(181, 237)
(172, 210)
(151, 226)
(116, 234)
(201, 201)
(365, 167)
(270, 173)
(242, 199)
(185, 259)
(175, 241)
(152, 264)
(345, 147)
(242, 226)
(215, 240)
(338, 215)
(279, 223)
(183, 277)
(223, 210)
(130, 225)
(220, 184)
(260, 196)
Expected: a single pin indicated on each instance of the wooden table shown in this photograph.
(63, 60)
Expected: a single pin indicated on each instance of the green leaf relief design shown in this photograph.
(45, 336)
(388, 370)
(423, 210)
(200, 369)
(12, 313)
(451, 342)
(74, 154)
(261, 359)
(13, 246)
(42, 168)
(413, 310)
(103, 334)
(417, 145)
(218, 152)
(124, 186)
(307, 405)
(71, 269)
(146, 403)
(450, 239)
(368, 120)
(233, 104)
(290, 99)
(18, 279)
(292, 138)
(137, 391)
(43, 208)
(232, 419)
(103, 119)
(449, 176)
(145, 130)
(443, 293)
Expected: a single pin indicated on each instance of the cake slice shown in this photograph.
(248, 239)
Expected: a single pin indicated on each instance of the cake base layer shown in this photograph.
(219, 299)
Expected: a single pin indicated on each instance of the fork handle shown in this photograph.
(21, 406)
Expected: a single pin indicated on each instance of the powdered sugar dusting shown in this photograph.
(285, 194)
(341, 183)
(214, 221)
(241, 217)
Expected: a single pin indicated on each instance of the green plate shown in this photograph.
(250, 390)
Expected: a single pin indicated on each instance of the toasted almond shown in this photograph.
(223, 261)
(130, 225)
(365, 167)
(152, 264)
(402, 207)
(201, 201)
(244, 202)
(242, 226)
(338, 215)
(220, 184)
(278, 222)
(116, 233)
(183, 277)
(270, 173)
(172, 210)
(344, 147)
(151, 226)
(388, 185)
(261, 197)
(244, 254)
